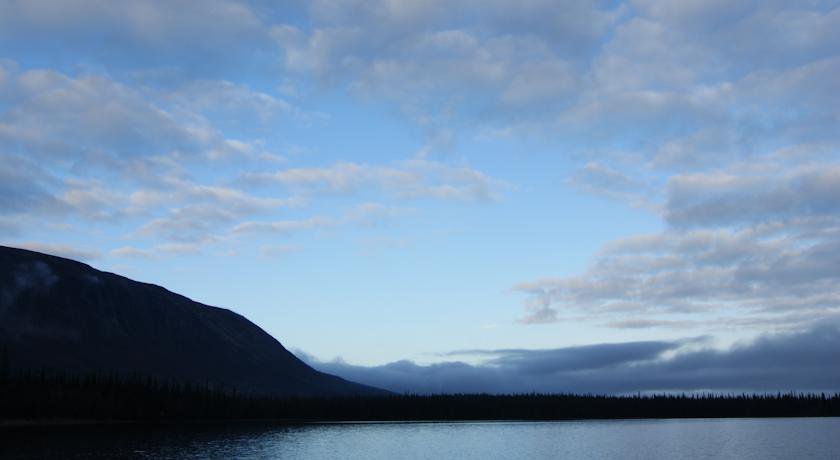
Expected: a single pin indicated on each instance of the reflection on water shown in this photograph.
(643, 439)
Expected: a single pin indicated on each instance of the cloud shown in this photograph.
(363, 214)
(191, 223)
(96, 120)
(448, 63)
(599, 179)
(155, 252)
(63, 138)
(582, 68)
(92, 200)
(752, 242)
(284, 227)
(791, 32)
(411, 179)
(719, 199)
(201, 223)
(204, 37)
(54, 115)
(571, 359)
(649, 323)
(24, 187)
(805, 361)
(206, 209)
(756, 271)
(412, 28)
(147, 141)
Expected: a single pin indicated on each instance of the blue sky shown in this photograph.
(399, 180)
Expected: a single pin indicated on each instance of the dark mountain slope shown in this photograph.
(65, 316)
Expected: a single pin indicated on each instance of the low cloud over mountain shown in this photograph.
(805, 361)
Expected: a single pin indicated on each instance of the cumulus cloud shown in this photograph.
(804, 361)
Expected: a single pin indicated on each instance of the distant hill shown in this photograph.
(64, 316)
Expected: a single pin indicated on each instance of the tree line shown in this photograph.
(42, 395)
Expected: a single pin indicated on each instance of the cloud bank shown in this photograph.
(803, 361)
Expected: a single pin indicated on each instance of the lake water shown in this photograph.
(626, 439)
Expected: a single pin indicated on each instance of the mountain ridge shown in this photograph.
(66, 316)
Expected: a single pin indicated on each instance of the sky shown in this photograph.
(477, 195)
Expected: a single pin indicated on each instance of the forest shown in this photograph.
(43, 396)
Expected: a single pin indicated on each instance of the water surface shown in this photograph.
(781, 438)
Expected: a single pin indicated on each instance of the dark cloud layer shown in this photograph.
(805, 361)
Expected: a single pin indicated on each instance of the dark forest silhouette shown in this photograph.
(40, 395)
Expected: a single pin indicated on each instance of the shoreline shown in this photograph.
(58, 423)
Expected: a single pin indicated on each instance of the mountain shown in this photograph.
(61, 315)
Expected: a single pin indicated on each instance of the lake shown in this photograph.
(782, 438)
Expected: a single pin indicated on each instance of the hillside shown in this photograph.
(64, 316)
